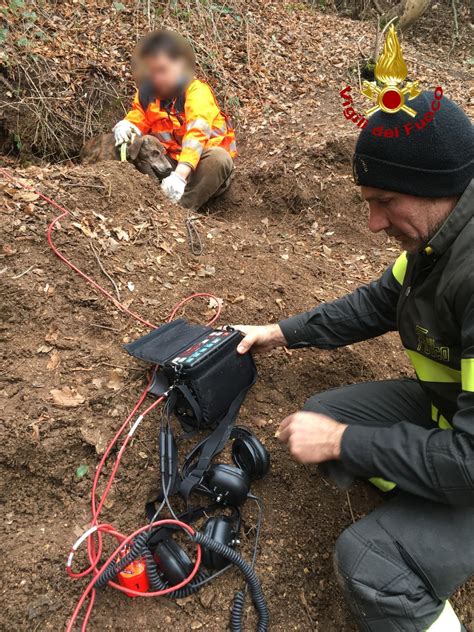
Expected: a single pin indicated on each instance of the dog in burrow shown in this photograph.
(146, 153)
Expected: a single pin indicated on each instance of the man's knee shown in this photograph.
(317, 404)
(362, 572)
(383, 592)
(218, 159)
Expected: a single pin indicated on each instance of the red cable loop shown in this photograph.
(64, 213)
(128, 591)
(94, 548)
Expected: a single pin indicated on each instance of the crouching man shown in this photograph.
(399, 565)
(182, 113)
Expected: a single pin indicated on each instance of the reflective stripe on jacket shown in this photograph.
(429, 298)
(187, 125)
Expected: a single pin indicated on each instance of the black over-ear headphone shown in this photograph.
(230, 484)
(174, 563)
(227, 485)
(249, 453)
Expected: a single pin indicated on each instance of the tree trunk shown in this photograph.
(408, 11)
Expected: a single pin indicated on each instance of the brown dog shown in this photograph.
(145, 152)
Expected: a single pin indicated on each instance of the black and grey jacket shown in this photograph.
(429, 298)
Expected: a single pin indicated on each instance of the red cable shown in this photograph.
(94, 552)
(64, 213)
(128, 591)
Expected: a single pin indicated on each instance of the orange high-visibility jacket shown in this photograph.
(186, 125)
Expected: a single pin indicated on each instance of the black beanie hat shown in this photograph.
(430, 155)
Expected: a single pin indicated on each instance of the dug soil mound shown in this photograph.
(270, 249)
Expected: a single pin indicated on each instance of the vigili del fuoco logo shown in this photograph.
(390, 92)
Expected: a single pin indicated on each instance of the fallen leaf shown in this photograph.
(115, 381)
(67, 397)
(52, 336)
(122, 235)
(94, 435)
(87, 232)
(54, 361)
(166, 247)
(82, 470)
(8, 250)
(25, 196)
(214, 303)
(44, 349)
(184, 600)
(206, 271)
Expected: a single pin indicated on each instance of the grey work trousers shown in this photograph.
(398, 565)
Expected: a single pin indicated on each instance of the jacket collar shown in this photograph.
(455, 222)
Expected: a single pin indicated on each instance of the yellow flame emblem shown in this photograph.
(391, 71)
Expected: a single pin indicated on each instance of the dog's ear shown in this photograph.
(134, 149)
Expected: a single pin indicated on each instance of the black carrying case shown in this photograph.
(203, 393)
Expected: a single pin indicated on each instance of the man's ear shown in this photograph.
(134, 149)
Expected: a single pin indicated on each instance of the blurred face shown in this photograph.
(409, 219)
(165, 74)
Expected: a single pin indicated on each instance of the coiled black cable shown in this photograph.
(237, 611)
(251, 578)
(114, 568)
(140, 548)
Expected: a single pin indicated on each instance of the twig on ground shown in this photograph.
(105, 327)
(101, 266)
(350, 505)
(18, 276)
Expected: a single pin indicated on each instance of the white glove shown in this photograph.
(124, 131)
(173, 187)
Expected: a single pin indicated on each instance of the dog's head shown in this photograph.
(149, 156)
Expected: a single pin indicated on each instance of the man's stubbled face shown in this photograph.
(409, 219)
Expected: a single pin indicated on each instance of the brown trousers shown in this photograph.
(211, 178)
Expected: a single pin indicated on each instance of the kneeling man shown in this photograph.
(399, 565)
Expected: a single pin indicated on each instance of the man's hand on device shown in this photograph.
(260, 337)
(312, 437)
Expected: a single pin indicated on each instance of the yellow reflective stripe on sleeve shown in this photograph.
(443, 423)
(429, 370)
(446, 622)
(400, 267)
(467, 374)
(439, 419)
(193, 144)
(200, 124)
(382, 484)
